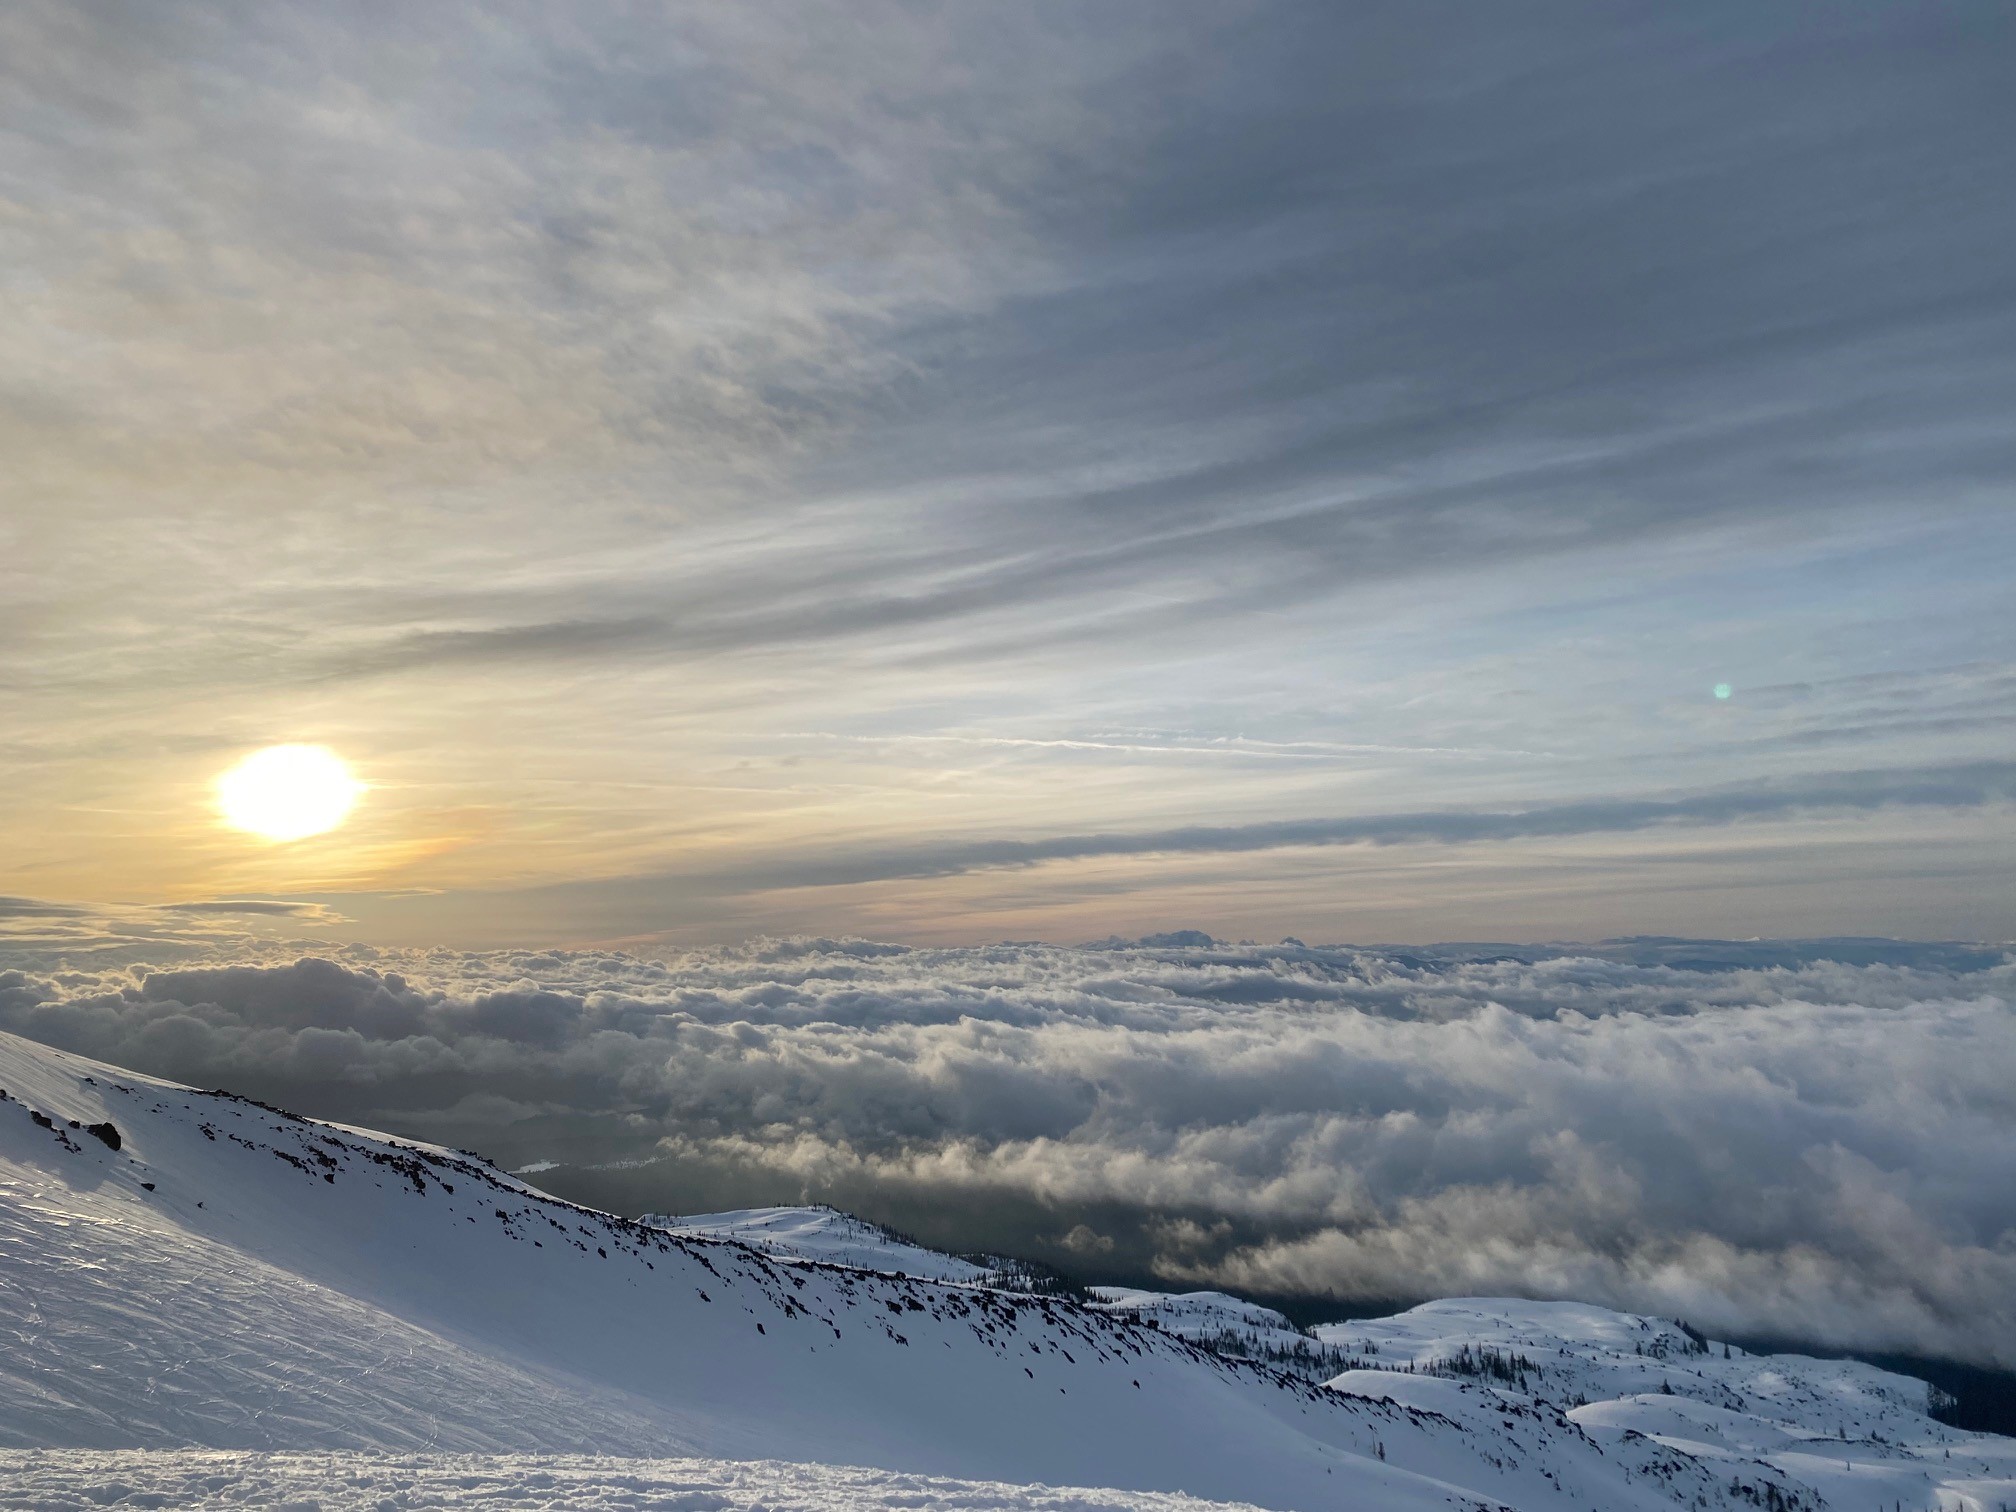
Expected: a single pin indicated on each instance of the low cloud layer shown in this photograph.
(1812, 1139)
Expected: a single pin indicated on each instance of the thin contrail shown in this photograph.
(1272, 750)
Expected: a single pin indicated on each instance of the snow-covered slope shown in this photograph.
(182, 1269)
(1196, 1314)
(1571, 1353)
(1216, 1321)
(824, 1233)
(234, 1277)
(1225, 1325)
(1849, 1435)
(340, 1481)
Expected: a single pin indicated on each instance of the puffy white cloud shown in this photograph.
(1814, 1139)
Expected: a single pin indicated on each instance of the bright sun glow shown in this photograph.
(288, 792)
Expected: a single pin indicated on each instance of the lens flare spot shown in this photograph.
(1723, 690)
(288, 792)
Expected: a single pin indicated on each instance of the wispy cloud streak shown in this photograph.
(1971, 785)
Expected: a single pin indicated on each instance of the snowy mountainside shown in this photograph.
(824, 1233)
(1200, 1310)
(184, 1270)
(1225, 1325)
(338, 1481)
(1572, 1353)
(1216, 1321)
(219, 1274)
(1849, 1435)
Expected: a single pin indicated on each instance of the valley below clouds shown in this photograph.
(1814, 1140)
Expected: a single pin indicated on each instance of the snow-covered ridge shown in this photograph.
(1851, 1435)
(1224, 1324)
(837, 1238)
(205, 1272)
(1575, 1354)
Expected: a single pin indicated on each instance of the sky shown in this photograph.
(871, 560)
(945, 474)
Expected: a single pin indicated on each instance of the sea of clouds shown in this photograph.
(1809, 1139)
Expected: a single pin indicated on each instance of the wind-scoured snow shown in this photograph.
(184, 1271)
(60, 1481)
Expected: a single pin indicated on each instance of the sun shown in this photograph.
(288, 792)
